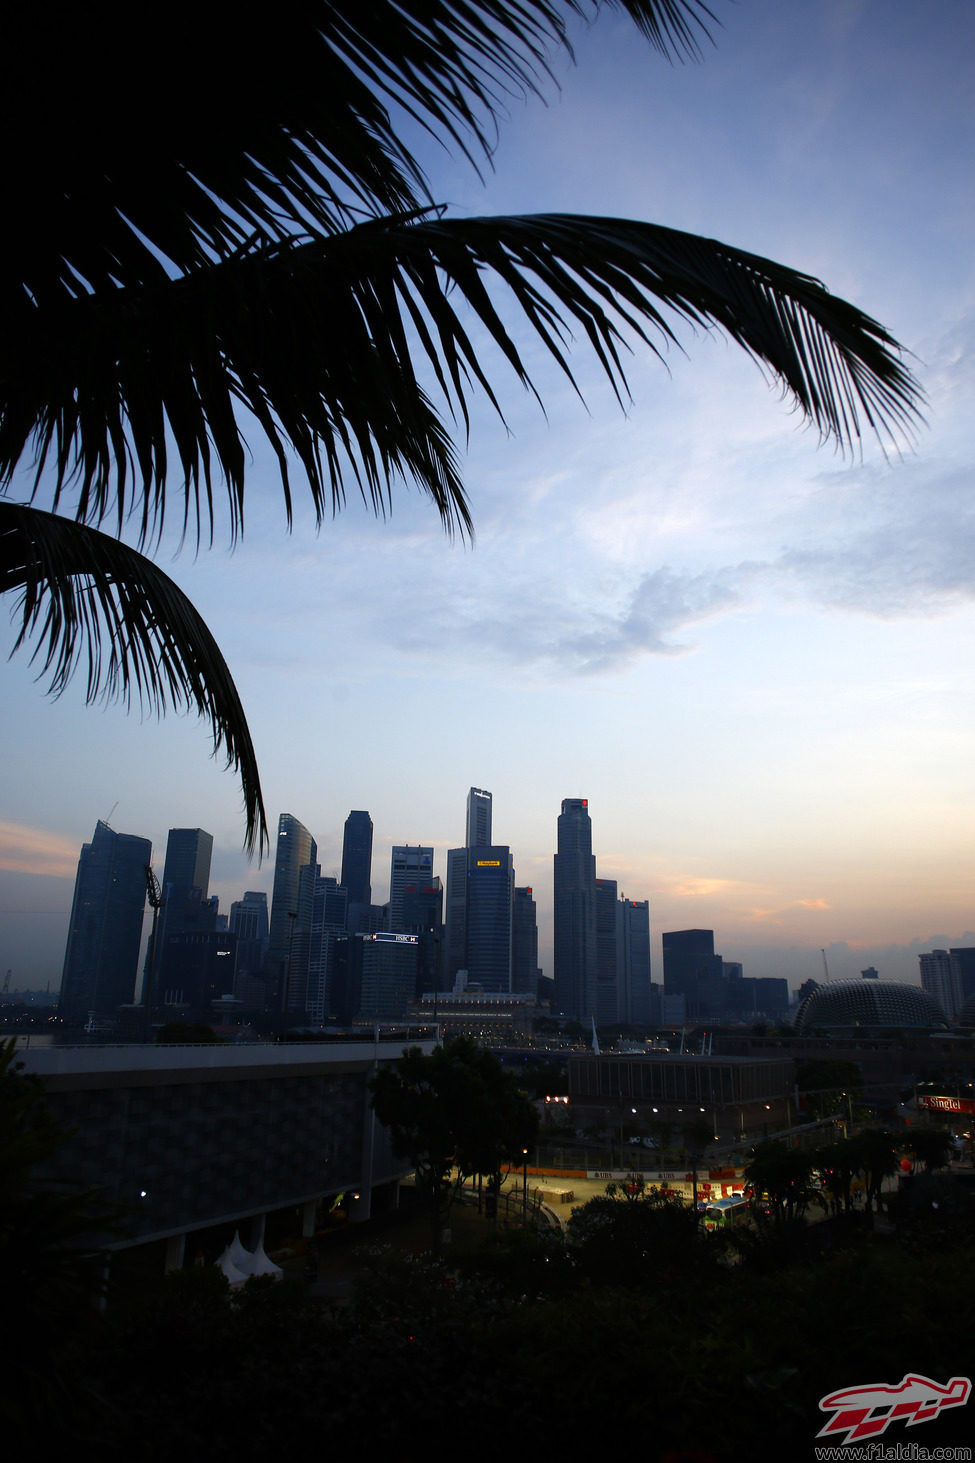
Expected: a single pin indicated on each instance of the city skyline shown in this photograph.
(753, 658)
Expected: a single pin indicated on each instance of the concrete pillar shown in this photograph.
(308, 1213)
(175, 1252)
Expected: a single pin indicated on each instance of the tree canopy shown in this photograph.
(453, 1113)
(270, 260)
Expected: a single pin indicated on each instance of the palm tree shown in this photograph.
(227, 232)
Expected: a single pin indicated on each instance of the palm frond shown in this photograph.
(290, 121)
(87, 599)
(318, 341)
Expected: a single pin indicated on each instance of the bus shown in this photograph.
(726, 1213)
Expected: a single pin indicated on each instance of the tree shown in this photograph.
(930, 1146)
(828, 1086)
(783, 1173)
(636, 1235)
(453, 1114)
(271, 260)
(876, 1155)
(837, 1164)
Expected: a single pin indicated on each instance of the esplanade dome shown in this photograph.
(874, 1005)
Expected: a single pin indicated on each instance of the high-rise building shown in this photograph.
(357, 857)
(607, 974)
(634, 987)
(455, 915)
(940, 977)
(249, 924)
(575, 913)
(328, 922)
(478, 825)
(963, 965)
(186, 907)
(295, 849)
(375, 977)
(524, 943)
(410, 864)
(423, 917)
(490, 892)
(477, 834)
(188, 855)
(694, 971)
(248, 919)
(102, 953)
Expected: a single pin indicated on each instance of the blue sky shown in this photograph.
(751, 655)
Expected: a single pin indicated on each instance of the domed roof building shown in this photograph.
(873, 1006)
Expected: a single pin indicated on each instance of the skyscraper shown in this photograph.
(694, 971)
(940, 978)
(357, 857)
(478, 825)
(575, 913)
(102, 953)
(410, 864)
(524, 942)
(607, 973)
(186, 908)
(295, 848)
(477, 834)
(455, 914)
(188, 854)
(490, 893)
(634, 989)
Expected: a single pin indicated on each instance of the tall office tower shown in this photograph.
(423, 917)
(328, 920)
(295, 849)
(248, 918)
(185, 908)
(375, 976)
(248, 922)
(524, 943)
(357, 858)
(963, 964)
(102, 952)
(607, 997)
(410, 864)
(478, 825)
(455, 915)
(188, 854)
(941, 981)
(635, 991)
(490, 893)
(196, 968)
(477, 833)
(575, 913)
(692, 970)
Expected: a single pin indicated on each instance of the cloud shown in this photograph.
(34, 851)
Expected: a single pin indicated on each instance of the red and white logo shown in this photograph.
(864, 1412)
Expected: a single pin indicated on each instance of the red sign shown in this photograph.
(946, 1104)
